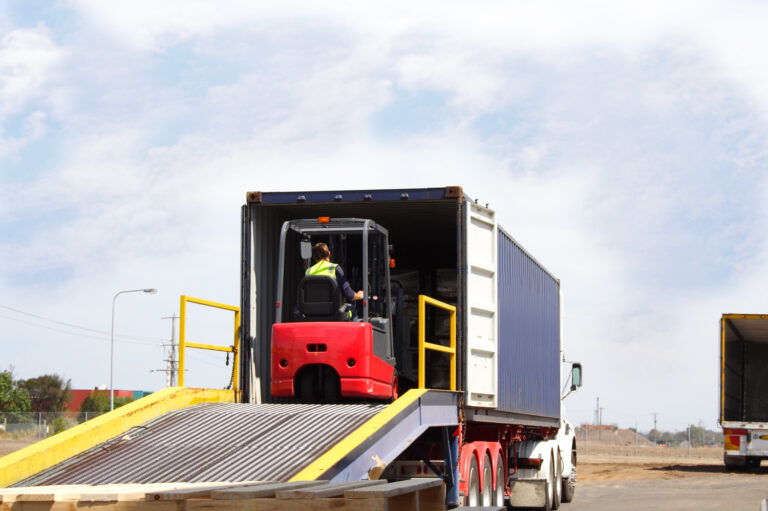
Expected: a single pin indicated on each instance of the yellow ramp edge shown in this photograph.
(46, 453)
(336, 453)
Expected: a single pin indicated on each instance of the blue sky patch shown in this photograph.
(412, 112)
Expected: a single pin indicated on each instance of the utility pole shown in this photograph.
(600, 424)
(597, 411)
(171, 368)
(635, 438)
(655, 431)
(586, 439)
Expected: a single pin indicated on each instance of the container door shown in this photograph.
(481, 295)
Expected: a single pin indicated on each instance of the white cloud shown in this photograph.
(28, 59)
(30, 63)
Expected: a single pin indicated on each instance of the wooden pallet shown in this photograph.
(410, 495)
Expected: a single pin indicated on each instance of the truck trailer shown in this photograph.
(445, 380)
(744, 389)
(495, 335)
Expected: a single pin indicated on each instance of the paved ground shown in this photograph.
(728, 493)
(627, 484)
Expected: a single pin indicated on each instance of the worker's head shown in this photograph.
(320, 251)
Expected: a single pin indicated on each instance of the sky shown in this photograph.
(622, 143)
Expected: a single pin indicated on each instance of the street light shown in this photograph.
(112, 343)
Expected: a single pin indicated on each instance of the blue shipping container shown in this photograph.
(529, 333)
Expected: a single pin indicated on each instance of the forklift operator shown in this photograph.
(323, 266)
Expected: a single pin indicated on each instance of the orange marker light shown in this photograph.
(391, 263)
(323, 219)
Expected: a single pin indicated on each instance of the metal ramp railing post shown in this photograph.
(425, 345)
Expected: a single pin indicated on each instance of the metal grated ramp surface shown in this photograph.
(214, 442)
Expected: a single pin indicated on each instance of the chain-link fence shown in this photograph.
(39, 425)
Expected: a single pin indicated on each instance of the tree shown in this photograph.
(49, 393)
(13, 397)
(98, 401)
(120, 401)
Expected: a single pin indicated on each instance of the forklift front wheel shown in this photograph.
(395, 385)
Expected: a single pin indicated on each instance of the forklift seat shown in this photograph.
(319, 299)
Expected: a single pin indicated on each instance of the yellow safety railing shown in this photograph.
(424, 345)
(183, 344)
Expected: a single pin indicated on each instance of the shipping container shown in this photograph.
(446, 246)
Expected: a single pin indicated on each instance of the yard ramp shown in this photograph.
(47, 453)
(246, 442)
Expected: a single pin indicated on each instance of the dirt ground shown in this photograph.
(611, 467)
(8, 445)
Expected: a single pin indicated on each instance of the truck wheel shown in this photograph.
(569, 483)
(501, 482)
(556, 481)
(473, 484)
(487, 493)
(733, 466)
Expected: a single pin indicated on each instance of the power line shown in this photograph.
(137, 337)
(143, 343)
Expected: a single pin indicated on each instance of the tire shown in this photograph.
(473, 484)
(395, 386)
(569, 483)
(331, 386)
(501, 482)
(486, 494)
(556, 481)
(735, 467)
(307, 389)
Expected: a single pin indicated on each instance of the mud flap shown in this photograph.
(529, 493)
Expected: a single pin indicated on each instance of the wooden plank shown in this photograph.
(394, 489)
(331, 490)
(199, 491)
(337, 504)
(39, 493)
(262, 491)
(131, 505)
(122, 492)
(432, 499)
(99, 493)
(402, 502)
(411, 495)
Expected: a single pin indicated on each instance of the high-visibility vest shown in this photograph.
(323, 267)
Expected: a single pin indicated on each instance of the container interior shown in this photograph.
(746, 369)
(424, 235)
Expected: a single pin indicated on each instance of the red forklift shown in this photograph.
(323, 349)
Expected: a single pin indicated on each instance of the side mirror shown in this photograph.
(575, 376)
(306, 250)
